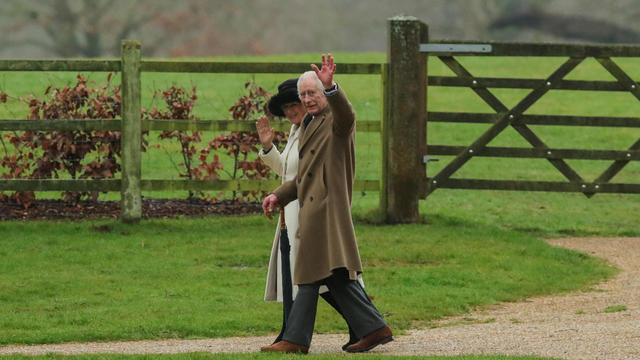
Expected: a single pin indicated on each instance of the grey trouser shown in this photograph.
(356, 307)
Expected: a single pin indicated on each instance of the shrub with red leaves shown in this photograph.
(94, 154)
(78, 154)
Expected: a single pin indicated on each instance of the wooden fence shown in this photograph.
(131, 125)
(405, 82)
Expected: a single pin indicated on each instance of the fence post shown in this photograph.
(404, 130)
(131, 137)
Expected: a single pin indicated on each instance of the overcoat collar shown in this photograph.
(313, 126)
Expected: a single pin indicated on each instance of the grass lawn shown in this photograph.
(190, 278)
(193, 278)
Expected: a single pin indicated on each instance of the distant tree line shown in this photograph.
(168, 28)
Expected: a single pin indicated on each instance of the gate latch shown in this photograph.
(426, 159)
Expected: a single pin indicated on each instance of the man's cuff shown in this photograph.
(332, 90)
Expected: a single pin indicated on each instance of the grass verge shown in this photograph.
(195, 278)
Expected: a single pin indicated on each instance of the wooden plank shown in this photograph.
(463, 117)
(204, 185)
(512, 152)
(233, 185)
(406, 124)
(60, 65)
(622, 77)
(384, 141)
(514, 83)
(184, 125)
(59, 185)
(182, 66)
(107, 185)
(251, 67)
(131, 138)
(618, 165)
(484, 94)
(61, 125)
(366, 185)
(235, 125)
(551, 186)
(486, 118)
(546, 49)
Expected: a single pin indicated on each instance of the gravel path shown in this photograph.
(573, 326)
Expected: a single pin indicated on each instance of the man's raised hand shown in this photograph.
(325, 74)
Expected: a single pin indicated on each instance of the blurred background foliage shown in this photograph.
(202, 28)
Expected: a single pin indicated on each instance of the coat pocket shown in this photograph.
(324, 181)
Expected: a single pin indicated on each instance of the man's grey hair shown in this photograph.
(310, 74)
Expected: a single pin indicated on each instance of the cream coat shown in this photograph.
(323, 186)
(284, 164)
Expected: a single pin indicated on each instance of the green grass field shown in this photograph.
(193, 278)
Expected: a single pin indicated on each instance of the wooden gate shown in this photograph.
(514, 117)
(406, 113)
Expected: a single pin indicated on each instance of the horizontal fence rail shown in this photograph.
(521, 185)
(60, 65)
(106, 185)
(172, 124)
(61, 125)
(547, 49)
(234, 125)
(514, 83)
(251, 68)
(513, 152)
(218, 67)
(559, 120)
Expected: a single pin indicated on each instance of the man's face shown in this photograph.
(312, 98)
(294, 111)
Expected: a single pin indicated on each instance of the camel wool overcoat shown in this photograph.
(323, 187)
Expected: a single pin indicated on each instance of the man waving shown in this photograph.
(328, 251)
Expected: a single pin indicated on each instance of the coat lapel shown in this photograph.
(313, 126)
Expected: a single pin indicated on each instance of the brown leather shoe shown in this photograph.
(378, 337)
(285, 346)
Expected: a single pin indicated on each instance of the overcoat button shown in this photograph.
(300, 156)
(313, 151)
(301, 203)
(299, 180)
(310, 198)
(309, 173)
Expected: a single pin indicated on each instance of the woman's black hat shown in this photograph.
(287, 93)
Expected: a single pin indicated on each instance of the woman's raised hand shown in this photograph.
(265, 132)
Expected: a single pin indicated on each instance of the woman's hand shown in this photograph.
(265, 132)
